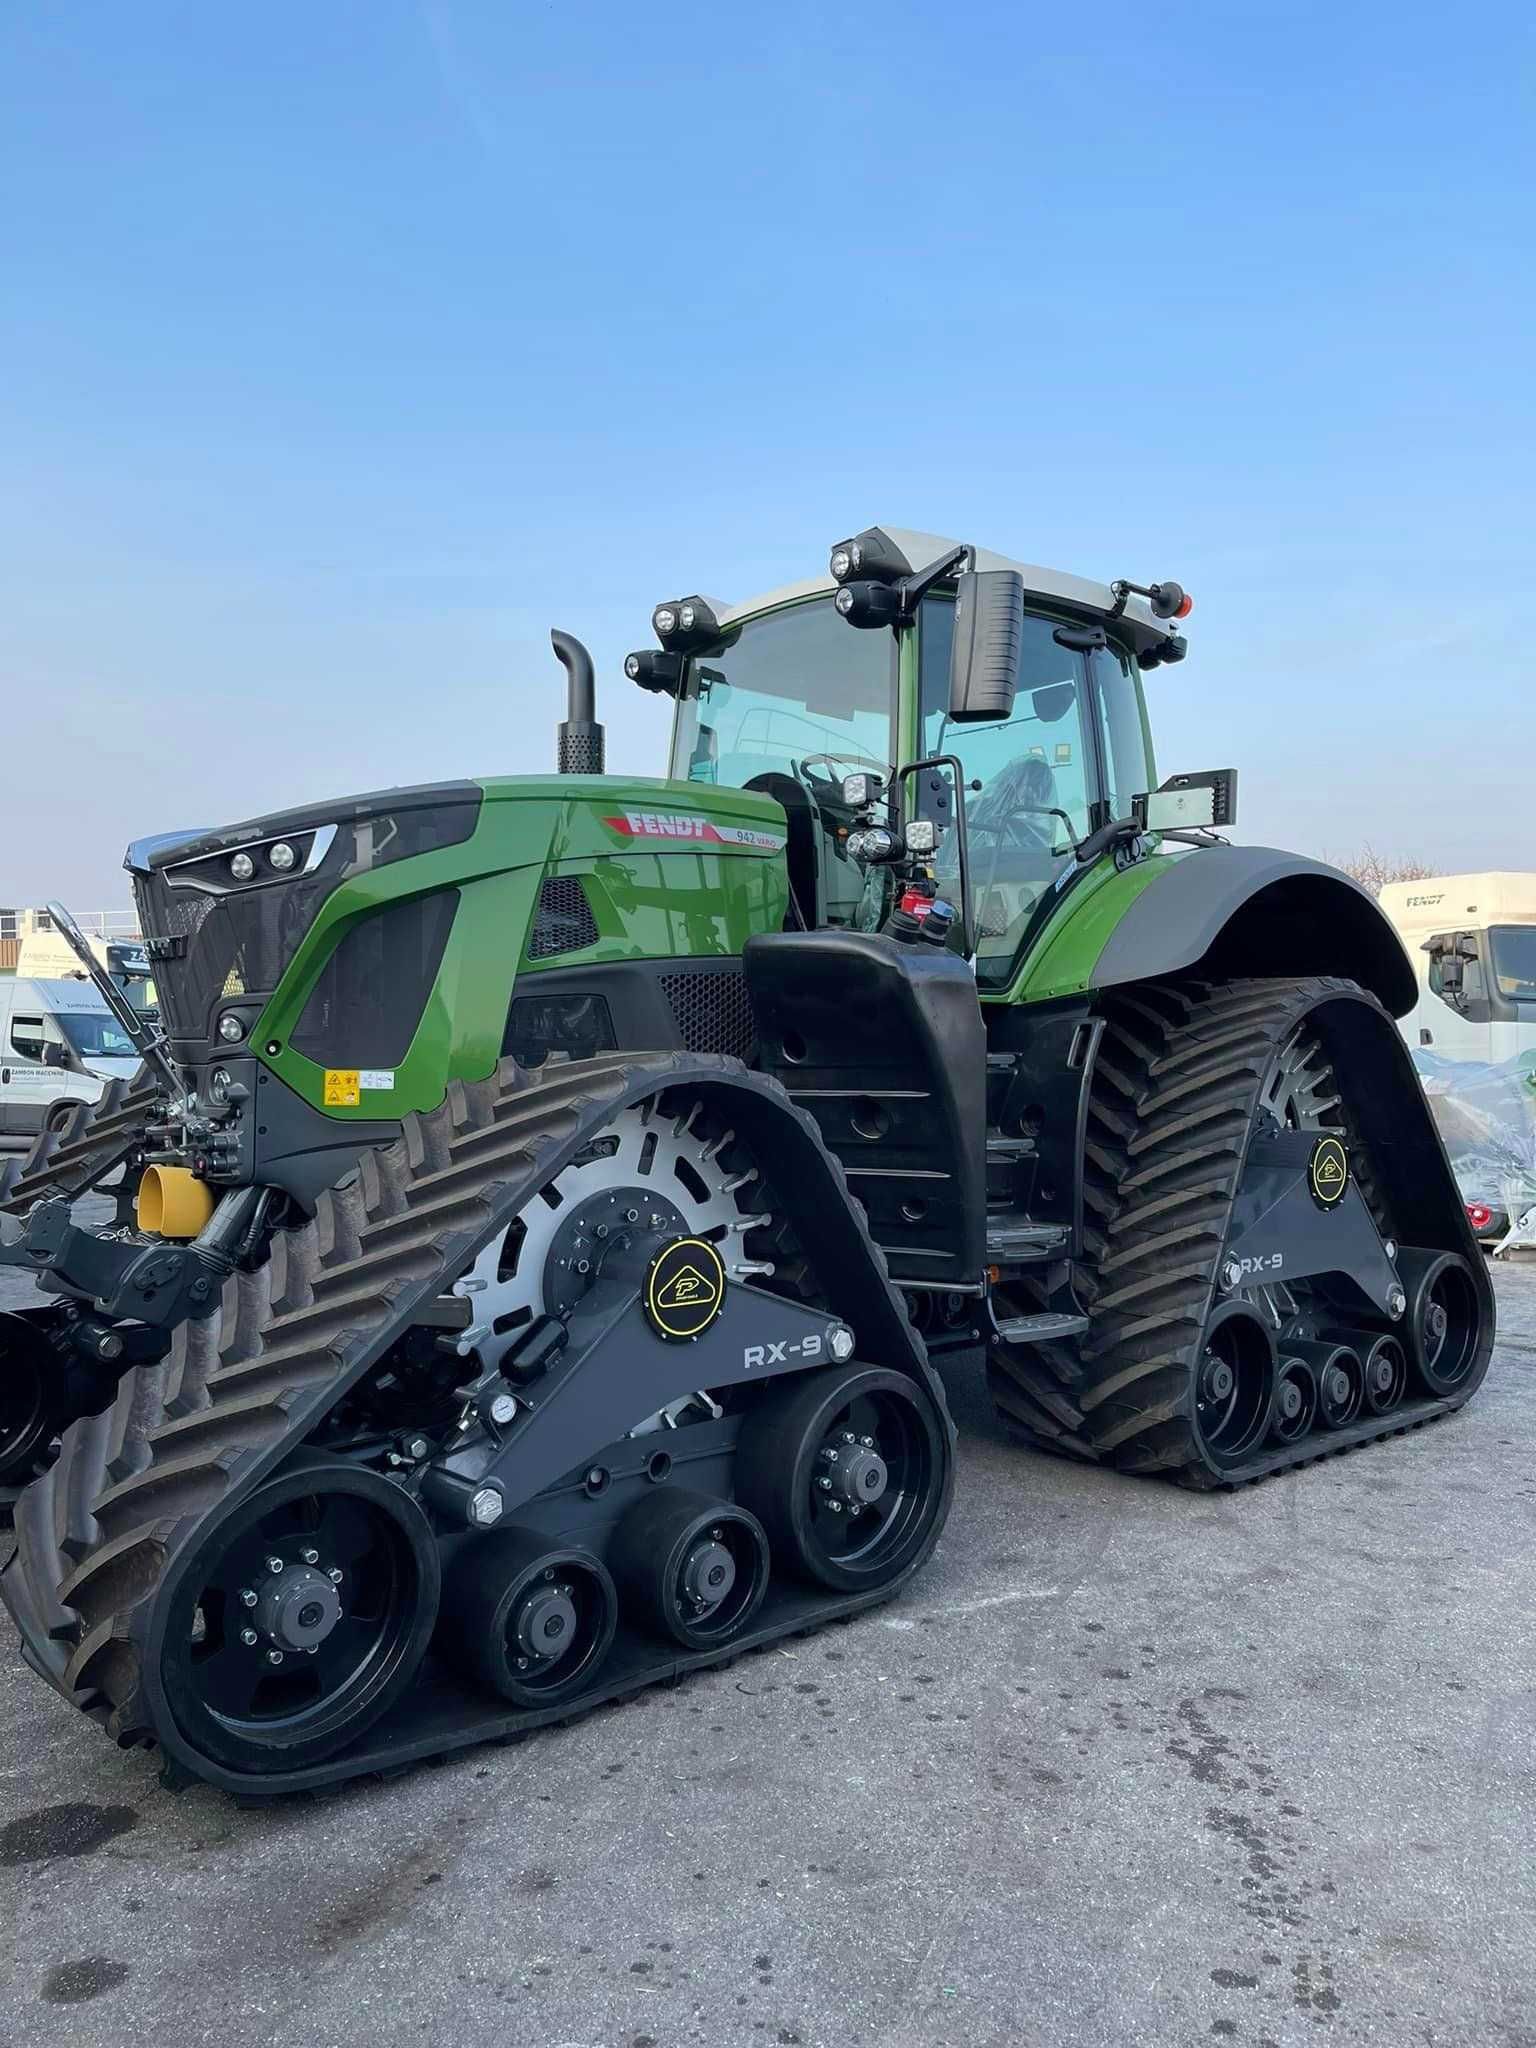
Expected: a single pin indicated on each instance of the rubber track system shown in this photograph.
(1175, 1083)
(91, 1143)
(99, 1534)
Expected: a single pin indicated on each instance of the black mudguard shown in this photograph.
(1238, 911)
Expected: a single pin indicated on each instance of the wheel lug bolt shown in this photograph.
(249, 1637)
(848, 1436)
(310, 1556)
(274, 1656)
(274, 1564)
(868, 1442)
(836, 1506)
(247, 1597)
(334, 1575)
(824, 1483)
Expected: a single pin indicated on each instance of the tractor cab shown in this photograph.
(847, 699)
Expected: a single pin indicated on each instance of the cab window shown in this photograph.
(27, 1038)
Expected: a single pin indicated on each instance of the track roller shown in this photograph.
(530, 1619)
(29, 1374)
(1440, 1322)
(692, 1568)
(1340, 1380)
(850, 1471)
(1295, 1401)
(1235, 1385)
(300, 1619)
(1386, 1374)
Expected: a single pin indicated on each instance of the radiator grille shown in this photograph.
(713, 1012)
(563, 922)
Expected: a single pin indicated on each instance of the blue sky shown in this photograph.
(346, 347)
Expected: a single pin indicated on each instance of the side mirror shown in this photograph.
(989, 637)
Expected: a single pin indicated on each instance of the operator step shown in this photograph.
(1012, 1240)
(1040, 1329)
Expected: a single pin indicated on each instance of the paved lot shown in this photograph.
(1126, 1765)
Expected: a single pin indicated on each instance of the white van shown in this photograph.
(1472, 942)
(59, 1046)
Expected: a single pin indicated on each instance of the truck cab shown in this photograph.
(59, 1046)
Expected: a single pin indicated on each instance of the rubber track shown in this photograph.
(1174, 1087)
(97, 1135)
(96, 1533)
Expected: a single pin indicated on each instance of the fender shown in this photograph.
(1240, 911)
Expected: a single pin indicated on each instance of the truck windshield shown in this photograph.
(795, 701)
(1514, 960)
(96, 1035)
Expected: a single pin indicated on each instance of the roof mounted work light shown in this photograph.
(870, 604)
(660, 672)
(685, 622)
(870, 556)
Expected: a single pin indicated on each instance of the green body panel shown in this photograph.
(657, 891)
(1063, 957)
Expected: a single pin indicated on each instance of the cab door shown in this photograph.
(29, 1084)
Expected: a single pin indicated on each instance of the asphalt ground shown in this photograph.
(1125, 1765)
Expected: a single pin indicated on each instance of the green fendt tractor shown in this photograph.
(551, 1196)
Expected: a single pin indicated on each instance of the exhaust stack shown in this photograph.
(579, 741)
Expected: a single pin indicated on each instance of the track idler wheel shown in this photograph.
(1295, 1401)
(1386, 1374)
(850, 1471)
(1440, 1323)
(1234, 1385)
(300, 1618)
(530, 1619)
(1340, 1380)
(692, 1568)
(29, 1371)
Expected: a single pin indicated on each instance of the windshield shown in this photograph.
(795, 702)
(96, 1035)
(1514, 960)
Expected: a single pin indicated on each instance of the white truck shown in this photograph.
(1472, 941)
(59, 1046)
(46, 955)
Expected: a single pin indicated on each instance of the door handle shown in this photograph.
(5, 1076)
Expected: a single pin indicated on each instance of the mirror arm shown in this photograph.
(914, 589)
(147, 1043)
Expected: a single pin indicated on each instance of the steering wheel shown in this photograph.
(881, 768)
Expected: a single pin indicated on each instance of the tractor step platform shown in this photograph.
(1040, 1329)
(1014, 1240)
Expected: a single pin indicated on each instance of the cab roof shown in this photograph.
(1055, 586)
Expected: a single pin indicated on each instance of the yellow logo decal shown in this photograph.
(342, 1087)
(1328, 1172)
(684, 1289)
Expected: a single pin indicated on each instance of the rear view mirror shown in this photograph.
(989, 636)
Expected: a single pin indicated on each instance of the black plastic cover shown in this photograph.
(884, 1044)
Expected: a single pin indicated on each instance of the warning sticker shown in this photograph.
(342, 1085)
(377, 1077)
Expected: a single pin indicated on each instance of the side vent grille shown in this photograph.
(563, 922)
(713, 1012)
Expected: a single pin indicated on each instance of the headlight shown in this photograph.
(664, 621)
(230, 1027)
(922, 835)
(242, 867)
(218, 1085)
(282, 856)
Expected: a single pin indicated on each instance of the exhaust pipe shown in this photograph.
(579, 741)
